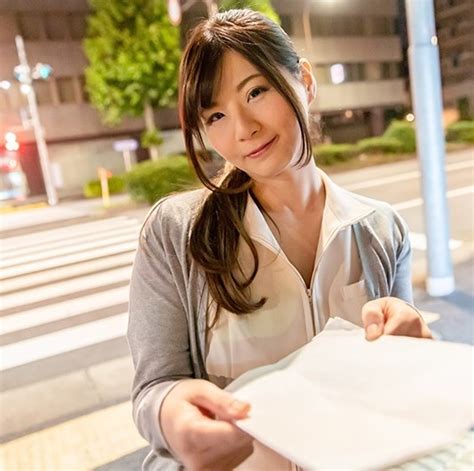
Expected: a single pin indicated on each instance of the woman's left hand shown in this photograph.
(392, 316)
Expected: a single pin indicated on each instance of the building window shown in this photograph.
(43, 92)
(287, 24)
(56, 26)
(77, 25)
(30, 26)
(85, 95)
(65, 87)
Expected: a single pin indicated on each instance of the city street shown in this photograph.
(64, 274)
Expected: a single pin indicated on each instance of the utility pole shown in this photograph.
(176, 9)
(425, 79)
(24, 76)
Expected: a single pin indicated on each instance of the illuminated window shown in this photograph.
(337, 73)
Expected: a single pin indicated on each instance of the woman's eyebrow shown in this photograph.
(247, 79)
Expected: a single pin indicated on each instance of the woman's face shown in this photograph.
(250, 124)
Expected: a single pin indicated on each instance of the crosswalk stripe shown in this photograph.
(63, 288)
(58, 274)
(56, 343)
(63, 310)
(57, 252)
(67, 259)
(57, 244)
(63, 233)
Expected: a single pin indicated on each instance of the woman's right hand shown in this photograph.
(199, 439)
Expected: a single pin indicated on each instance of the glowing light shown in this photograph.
(12, 146)
(10, 137)
(174, 12)
(25, 88)
(348, 114)
(5, 84)
(410, 117)
(337, 73)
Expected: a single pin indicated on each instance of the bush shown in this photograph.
(151, 180)
(327, 154)
(404, 132)
(379, 145)
(462, 131)
(93, 189)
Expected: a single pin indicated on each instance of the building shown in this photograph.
(354, 46)
(355, 49)
(78, 142)
(455, 29)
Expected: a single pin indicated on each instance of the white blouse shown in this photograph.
(293, 314)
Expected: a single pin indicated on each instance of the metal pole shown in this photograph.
(38, 130)
(425, 82)
(212, 8)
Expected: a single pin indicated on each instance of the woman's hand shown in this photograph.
(392, 316)
(195, 436)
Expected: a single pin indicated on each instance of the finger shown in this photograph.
(219, 402)
(408, 324)
(373, 319)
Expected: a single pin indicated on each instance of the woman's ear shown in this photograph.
(308, 79)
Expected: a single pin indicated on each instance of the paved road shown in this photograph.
(64, 277)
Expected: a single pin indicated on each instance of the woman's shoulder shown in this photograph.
(384, 219)
(174, 212)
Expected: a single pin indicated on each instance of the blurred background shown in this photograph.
(89, 139)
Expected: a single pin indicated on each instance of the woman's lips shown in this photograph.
(261, 150)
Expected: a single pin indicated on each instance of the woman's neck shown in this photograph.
(297, 191)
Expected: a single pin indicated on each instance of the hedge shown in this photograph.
(379, 145)
(151, 180)
(461, 131)
(92, 189)
(327, 154)
(404, 132)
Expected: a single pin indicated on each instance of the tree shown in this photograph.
(262, 6)
(134, 53)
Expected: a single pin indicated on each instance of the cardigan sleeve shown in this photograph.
(402, 283)
(157, 330)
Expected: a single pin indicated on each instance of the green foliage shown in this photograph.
(262, 6)
(379, 145)
(134, 53)
(151, 138)
(461, 131)
(404, 132)
(92, 189)
(151, 180)
(464, 109)
(328, 154)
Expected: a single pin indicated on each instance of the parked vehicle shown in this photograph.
(13, 183)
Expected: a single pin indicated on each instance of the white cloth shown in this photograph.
(292, 315)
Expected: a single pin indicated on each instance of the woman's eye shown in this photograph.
(214, 117)
(257, 91)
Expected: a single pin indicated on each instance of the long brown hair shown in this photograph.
(218, 227)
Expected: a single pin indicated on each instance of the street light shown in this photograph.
(25, 75)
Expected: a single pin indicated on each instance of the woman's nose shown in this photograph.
(246, 126)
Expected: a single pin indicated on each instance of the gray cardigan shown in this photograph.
(168, 296)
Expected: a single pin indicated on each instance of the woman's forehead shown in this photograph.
(234, 70)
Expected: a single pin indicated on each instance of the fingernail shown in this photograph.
(237, 407)
(372, 331)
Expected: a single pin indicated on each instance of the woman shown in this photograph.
(243, 273)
